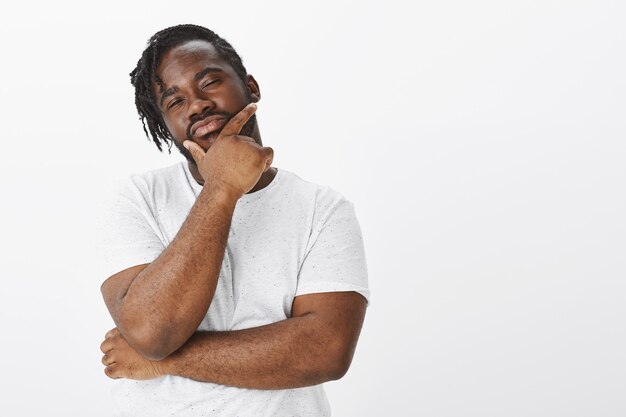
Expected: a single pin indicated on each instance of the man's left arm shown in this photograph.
(315, 345)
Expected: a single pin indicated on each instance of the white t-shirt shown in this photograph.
(291, 238)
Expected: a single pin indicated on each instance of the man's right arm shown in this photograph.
(158, 306)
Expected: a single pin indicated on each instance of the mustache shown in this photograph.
(203, 116)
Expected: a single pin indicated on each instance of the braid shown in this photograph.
(144, 74)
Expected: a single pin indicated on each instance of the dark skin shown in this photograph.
(157, 307)
(198, 81)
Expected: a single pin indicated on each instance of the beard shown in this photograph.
(246, 130)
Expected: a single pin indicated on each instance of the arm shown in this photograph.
(314, 346)
(158, 306)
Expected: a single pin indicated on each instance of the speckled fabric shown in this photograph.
(291, 238)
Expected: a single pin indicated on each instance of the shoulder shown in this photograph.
(157, 178)
(322, 192)
(322, 199)
(154, 184)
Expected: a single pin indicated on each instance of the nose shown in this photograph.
(198, 105)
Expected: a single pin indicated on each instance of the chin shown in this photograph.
(209, 138)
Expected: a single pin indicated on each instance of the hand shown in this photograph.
(122, 361)
(234, 162)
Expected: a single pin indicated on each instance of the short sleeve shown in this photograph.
(335, 260)
(128, 232)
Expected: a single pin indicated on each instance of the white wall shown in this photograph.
(483, 144)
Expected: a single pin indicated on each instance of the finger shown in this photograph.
(110, 372)
(234, 125)
(106, 346)
(195, 150)
(269, 157)
(246, 139)
(108, 360)
(111, 333)
(268, 152)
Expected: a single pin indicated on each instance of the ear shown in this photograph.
(253, 88)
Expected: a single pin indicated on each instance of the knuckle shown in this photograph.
(104, 346)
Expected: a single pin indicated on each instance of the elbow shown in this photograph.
(339, 368)
(110, 300)
(337, 362)
(326, 365)
(330, 356)
(146, 341)
(151, 352)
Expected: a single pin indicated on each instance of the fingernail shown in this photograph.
(186, 144)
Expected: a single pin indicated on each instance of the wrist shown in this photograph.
(222, 192)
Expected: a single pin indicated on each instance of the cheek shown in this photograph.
(176, 128)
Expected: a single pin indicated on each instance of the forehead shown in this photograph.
(185, 60)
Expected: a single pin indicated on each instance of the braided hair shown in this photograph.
(144, 74)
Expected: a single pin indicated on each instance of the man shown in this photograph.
(236, 288)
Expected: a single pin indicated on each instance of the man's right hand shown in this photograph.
(234, 163)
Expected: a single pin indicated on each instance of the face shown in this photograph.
(199, 92)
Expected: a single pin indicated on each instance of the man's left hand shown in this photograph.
(122, 361)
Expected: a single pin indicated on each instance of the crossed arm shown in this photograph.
(157, 307)
(314, 346)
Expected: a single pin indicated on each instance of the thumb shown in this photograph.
(195, 150)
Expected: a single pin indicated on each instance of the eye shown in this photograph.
(174, 103)
(208, 83)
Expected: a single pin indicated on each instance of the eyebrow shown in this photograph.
(199, 75)
(165, 94)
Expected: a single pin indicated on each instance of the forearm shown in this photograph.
(289, 354)
(314, 346)
(164, 304)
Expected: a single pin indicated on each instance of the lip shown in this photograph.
(208, 125)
